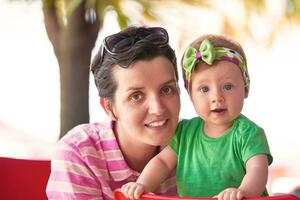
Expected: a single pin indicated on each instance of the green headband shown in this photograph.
(208, 54)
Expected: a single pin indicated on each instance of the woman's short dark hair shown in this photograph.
(103, 63)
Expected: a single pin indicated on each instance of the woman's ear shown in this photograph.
(107, 107)
(246, 92)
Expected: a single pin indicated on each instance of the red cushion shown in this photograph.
(23, 179)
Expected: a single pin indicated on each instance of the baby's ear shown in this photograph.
(107, 107)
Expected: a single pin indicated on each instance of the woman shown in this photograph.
(136, 76)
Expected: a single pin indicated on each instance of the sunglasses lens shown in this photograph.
(117, 43)
(121, 42)
(159, 36)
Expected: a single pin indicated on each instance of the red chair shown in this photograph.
(119, 196)
(23, 179)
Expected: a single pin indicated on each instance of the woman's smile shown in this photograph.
(156, 123)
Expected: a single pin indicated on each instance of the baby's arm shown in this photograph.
(254, 182)
(155, 172)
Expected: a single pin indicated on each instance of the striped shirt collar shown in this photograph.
(126, 172)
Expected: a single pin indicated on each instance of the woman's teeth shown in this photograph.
(158, 123)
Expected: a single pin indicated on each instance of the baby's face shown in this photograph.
(217, 92)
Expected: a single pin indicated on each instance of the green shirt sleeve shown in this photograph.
(174, 141)
(254, 142)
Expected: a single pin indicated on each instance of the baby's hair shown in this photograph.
(219, 41)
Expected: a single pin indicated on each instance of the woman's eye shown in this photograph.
(136, 97)
(167, 90)
(204, 89)
(227, 87)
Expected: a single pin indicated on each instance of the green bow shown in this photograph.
(206, 52)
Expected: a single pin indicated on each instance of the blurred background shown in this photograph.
(45, 43)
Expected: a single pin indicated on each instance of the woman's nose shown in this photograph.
(156, 106)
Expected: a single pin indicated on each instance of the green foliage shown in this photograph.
(48, 2)
(255, 5)
(122, 18)
(293, 10)
(65, 7)
(70, 6)
(147, 8)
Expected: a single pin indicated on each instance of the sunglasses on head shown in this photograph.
(122, 42)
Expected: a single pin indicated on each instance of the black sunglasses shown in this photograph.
(121, 42)
(124, 41)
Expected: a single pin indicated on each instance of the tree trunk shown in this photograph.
(73, 44)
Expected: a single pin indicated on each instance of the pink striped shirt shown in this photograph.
(88, 164)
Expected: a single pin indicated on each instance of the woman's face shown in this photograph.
(146, 102)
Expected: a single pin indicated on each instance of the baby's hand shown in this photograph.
(133, 190)
(231, 194)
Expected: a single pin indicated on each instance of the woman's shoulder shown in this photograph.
(90, 134)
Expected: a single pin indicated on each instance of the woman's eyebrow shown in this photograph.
(169, 81)
(133, 88)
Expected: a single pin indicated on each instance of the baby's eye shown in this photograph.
(136, 97)
(227, 87)
(167, 90)
(204, 89)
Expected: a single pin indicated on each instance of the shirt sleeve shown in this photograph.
(255, 142)
(71, 177)
(175, 140)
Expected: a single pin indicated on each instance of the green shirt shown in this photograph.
(206, 166)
